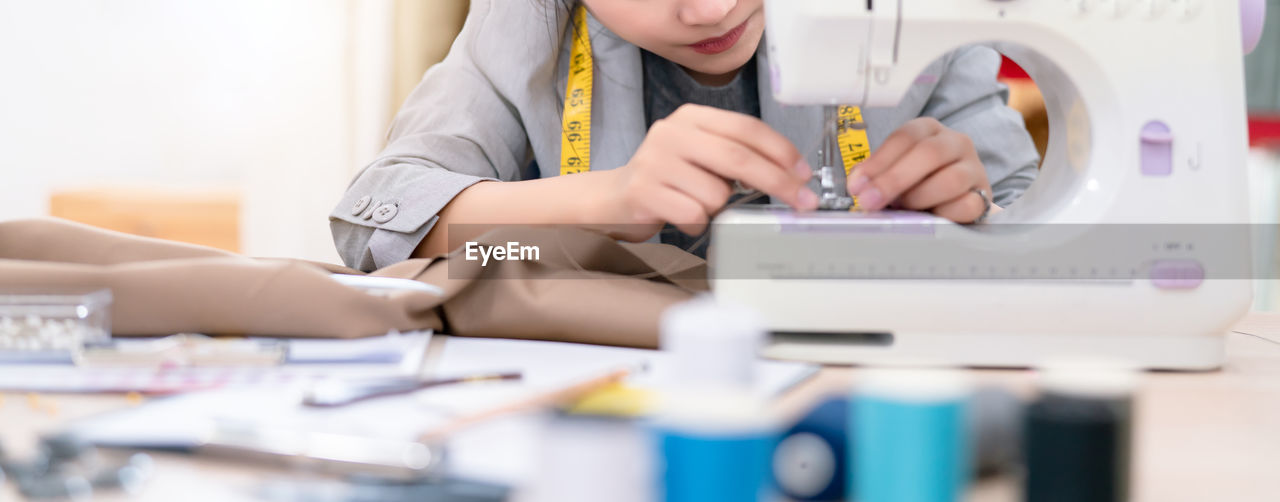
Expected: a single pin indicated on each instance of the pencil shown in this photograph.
(353, 393)
(555, 397)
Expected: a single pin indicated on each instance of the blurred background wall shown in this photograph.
(235, 123)
(1262, 86)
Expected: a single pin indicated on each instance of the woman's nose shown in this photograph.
(705, 12)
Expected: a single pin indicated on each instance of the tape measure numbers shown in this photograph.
(575, 140)
(854, 146)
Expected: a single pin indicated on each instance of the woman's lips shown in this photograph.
(721, 43)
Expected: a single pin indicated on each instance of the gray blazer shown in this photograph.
(494, 105)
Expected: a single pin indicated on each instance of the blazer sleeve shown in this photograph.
(455, 129)
(969, 99)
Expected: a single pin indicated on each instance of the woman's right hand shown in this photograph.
(683, 171)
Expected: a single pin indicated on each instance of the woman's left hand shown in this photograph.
(924, 166)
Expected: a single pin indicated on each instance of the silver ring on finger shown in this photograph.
(986, 205)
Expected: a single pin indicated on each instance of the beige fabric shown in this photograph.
(584, 288)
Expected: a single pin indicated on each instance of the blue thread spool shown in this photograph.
(712, 435)
(720, 466)
(909, 436)
(810, 462)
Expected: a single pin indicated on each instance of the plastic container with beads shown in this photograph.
(53, 320)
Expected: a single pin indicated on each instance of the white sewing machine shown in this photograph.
(1147, 129)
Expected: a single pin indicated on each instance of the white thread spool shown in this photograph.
(712, 344)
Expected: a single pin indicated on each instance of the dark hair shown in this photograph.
(561, 13)
(555, 9)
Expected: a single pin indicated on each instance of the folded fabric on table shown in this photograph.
(584, 286)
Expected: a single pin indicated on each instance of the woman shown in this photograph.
(678, 114)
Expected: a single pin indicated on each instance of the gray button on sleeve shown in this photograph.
(360, 205)
(384, 213)
(417, 194)
(368, 212)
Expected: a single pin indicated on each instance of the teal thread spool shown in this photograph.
(909, 438)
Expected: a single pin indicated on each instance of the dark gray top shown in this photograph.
(667, 86)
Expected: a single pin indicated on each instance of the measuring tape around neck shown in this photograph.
(575, 140)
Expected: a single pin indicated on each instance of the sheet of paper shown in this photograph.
(554, 362)
(503, 450)
(392, 348)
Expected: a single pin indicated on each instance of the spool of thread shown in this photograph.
(995, 424)
(728, 466)
(909, 438)
(712, 344)
(811, 461)
(1078, 434)
(714, 439)
(585, 456)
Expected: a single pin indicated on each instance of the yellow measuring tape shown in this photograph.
(575, 141)
(854, 146)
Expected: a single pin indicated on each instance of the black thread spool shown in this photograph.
(1078, 438)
